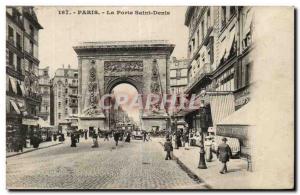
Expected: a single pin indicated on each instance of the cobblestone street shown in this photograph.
(135, 165)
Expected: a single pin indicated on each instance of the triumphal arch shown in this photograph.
(103, 65)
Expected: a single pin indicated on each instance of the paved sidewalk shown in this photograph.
(41, 146)
(237, 177)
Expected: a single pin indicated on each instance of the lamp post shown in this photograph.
(203, 129)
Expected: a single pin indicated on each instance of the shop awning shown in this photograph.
(221, 105)
(13, 84)
(229, 42)
(248, 22)
(15, 106)
(243, 116)
(222, 49)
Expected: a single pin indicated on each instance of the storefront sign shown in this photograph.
(27, 121)
(242, 98)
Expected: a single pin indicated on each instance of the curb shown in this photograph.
(34, 149)
(190, 173)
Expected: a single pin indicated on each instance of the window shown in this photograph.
(223, 16)
(66, 111)
(198, 41)
(59, 104)
(248, 74)
(31, 31)
(11, 58)
(19, 64)
(74, 91)
(173, 73)
(193, 40)
(74, 111)
(59, 94)
(66, 101)
(208, 18)
(66, 90)
(10, 34)
(73, 101)
(19, 44)
(202, 30)
(31, 48)
(59, 115)
(232, 10)
(45, 73)
(46, 108)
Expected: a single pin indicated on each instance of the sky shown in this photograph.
(62, 32)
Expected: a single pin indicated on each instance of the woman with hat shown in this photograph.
(224, 154)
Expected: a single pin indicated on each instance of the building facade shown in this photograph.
(64, 96)
(44, 84)
(178, 75)
(22, 89)
(219, 69)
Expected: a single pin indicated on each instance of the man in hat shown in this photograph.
(224, 154)
(168, 148)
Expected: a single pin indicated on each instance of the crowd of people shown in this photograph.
(182, 139)
(117, 134)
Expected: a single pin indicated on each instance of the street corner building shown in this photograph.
(23, 97)
(221, 133)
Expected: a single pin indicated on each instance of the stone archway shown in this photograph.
(111, 81)
(143, 64)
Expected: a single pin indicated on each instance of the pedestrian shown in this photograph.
(148, 137)
(224, 154)
(106, 136)
(116, 137)
(208, 148)
(54, 136)
(85, 134)
(168, 148)
(128, 137)
(73, 140)
(77, 136)
(145, 136)
(95, 141)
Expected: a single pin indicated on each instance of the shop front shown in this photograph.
(238, 125)
(30, 127)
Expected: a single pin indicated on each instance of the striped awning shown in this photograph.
(15, 106)
(21, 84)
(229, 42)
(221, 105)
(13, 84)
(248, 21)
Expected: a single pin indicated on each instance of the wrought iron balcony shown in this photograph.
(204, 70)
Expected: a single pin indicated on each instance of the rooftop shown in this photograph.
(125, 44)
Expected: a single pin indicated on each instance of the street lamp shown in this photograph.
(203, 130)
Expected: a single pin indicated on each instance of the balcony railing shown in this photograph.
(204, 70)
(34, 96)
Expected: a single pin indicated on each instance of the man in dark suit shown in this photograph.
(224, 154)
(168, 148)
